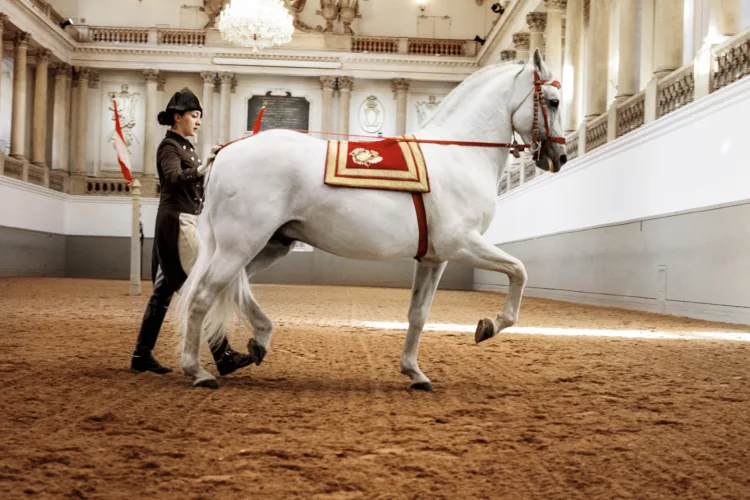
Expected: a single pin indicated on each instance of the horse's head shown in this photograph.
(538, 118)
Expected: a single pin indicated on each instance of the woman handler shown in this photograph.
(177, 239)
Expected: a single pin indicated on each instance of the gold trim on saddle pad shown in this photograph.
(414, 179)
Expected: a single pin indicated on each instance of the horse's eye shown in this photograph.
(554, 103)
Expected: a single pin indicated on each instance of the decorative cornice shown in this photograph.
(537, 21)
(521, 41)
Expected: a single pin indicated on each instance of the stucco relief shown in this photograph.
(371, 115)
(126, 108)
(425, 109)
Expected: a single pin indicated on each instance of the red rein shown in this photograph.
(538, 102)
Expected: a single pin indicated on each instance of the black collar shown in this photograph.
(181, 140)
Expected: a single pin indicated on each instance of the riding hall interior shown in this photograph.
(625, 373)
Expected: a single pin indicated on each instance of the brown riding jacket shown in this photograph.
(181, 192)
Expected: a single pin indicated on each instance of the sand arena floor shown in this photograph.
(328, 415)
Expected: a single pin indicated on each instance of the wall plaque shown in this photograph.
(282, 111)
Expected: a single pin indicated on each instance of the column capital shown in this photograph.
(82, 74)
(521, 41)
(537, 21)
(22, 39)
(63, 70)
(151, 75)
(328, 82)
(234, 83)
(400, 85)
(94, 80)
(208, 77)
(507, 55)
(226, 78)
(556, 4)
(346, 83)
(161, 83)
(43, 56)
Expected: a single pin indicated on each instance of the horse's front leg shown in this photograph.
(426, 279)
(479, 253)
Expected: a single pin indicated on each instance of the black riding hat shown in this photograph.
(184, 101)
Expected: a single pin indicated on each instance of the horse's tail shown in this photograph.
(231, 300)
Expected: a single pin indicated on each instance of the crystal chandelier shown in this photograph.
(256, 23)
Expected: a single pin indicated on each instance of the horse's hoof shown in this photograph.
(257, 351)
(421, 386)
(485, 330)
(208, 383)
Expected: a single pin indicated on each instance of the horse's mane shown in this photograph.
(453, 98)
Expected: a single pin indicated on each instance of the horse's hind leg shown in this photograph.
(426, 279)
(259, 345)
(479, 253)
(222, 269)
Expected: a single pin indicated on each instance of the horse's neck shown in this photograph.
(479, 110)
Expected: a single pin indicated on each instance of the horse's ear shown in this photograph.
(539, 65)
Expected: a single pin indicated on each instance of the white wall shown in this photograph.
(673, 193)
(26, 206)
(379, 17)
(692, 158)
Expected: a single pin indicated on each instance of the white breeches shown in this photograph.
(188, 241)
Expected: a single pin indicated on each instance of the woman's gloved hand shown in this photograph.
(211, 157)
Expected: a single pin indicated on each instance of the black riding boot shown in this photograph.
(142, 359)
(228, 360)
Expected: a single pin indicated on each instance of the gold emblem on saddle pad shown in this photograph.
(365, 157)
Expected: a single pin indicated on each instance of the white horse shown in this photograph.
(267, 191)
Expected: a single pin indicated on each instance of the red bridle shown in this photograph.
(536, 142)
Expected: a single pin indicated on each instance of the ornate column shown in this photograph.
(537, 22)
(553, 50)
(628, 73)
(60, 120)
(572, 73)
(39, 139)
(400, 88)
(521, 43)
(597, 60)
(3, 20)
(152, 110)
(345, 99)
(724, 20)
(207, 129)
(507, 56)
(18, 115)
(327, 85)
(668, 22)
(226, 89)
(71, 129)
(79, 153)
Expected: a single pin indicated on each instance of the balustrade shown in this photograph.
(676, 90)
